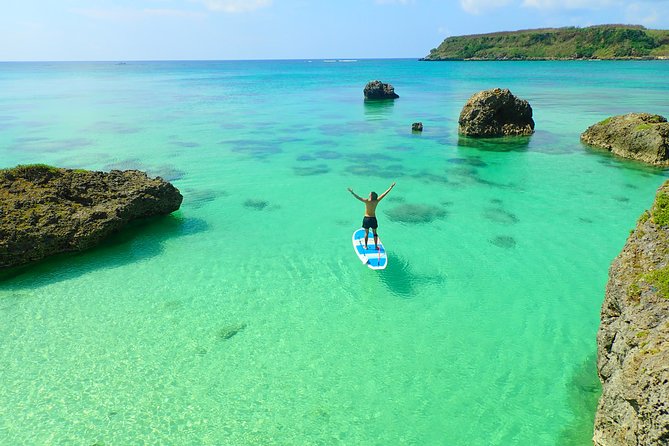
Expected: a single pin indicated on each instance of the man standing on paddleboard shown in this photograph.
(369, 221)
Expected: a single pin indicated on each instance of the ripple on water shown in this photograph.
(402, 281)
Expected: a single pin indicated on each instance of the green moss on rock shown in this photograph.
(660, 210)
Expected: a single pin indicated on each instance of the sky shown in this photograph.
(36, 30)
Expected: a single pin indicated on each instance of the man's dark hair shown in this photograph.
(375, 196)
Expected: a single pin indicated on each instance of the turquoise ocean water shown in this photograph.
(246, 319)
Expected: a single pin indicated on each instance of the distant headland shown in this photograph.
(601, 42)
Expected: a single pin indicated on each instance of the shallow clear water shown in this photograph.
(245, 318)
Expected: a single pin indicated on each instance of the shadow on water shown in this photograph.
(139, 241)
(502, 144)
(401, 280)
(378, 109)
(583, 394)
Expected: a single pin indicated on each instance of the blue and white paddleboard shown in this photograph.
(372, 257)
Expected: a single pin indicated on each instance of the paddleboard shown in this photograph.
(372, 257)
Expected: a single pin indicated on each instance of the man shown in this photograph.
(369, 221)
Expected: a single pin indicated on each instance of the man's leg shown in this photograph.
(366, 236)
(376, 240)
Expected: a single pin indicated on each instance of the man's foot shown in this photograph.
(365, 246)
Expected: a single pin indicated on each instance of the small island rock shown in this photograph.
(47, 210)
(417, 126)
(638, 136)
(633, 337)
(379, 90)
(496, 112)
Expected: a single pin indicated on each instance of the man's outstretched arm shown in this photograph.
(386, 192)
(356, 195)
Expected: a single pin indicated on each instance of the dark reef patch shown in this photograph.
(254, 148)
(186, 144)
(397, 148)
(415, 213)
(621, 199)
(396, 199)
(585, 220)
(305, 171)
(166, 172)
(256, 204)
(369, 170)
(126, 164)
(328, 154)
(196, 198)
(468, 161)
(305, 158)
(503, 241)
(499, 215)
(229, 331)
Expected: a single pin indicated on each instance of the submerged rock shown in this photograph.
(47, 210)
(638, 136)
(496, 112)
(415, 213)
(633, 337)
(379, 90)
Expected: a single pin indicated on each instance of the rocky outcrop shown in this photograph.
(46, 210)
(638, 136)
(633, 337)
(378, 90)
(417, 127)
(496, 112)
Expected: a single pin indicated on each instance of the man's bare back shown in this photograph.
(369, 222)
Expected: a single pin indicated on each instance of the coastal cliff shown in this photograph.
(633, 337)
(594, 42)
(46, 210)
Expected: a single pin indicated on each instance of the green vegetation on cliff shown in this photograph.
(594, 42)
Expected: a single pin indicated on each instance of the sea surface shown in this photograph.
(245, 318)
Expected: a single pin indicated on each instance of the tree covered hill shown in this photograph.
(594, 42)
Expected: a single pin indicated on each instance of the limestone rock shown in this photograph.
(379, 90)
(638, 136)
(633, 337)
(496, 112)
(46, 210)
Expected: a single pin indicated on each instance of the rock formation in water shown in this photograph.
(496, 112)
(417, 127)
(379, 90)
(46, 210)
(633, 337)
(638, 136)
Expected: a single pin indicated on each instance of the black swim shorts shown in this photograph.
(370, 222)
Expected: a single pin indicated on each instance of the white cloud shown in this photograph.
(479, 6)
(235, 6)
